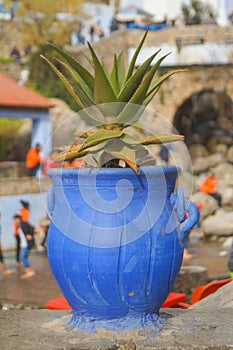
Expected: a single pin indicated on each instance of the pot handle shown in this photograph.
(192, 219)
(181, 205)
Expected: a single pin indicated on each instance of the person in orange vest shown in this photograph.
(24, 211)
(27, 243)
(24, 214)
(17, 237)
(33, 160)
(209, 186)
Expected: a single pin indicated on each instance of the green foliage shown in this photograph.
(6, 60)
(8, 130)
(196, 11)
(119, 96)
(40, 23)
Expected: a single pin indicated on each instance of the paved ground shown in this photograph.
(33, 291)
(205, 327)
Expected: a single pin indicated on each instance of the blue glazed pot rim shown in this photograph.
(147, 170)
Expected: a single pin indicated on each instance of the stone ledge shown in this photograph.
(185, 329)
(23, 185)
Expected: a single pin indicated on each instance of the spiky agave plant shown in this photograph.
(119, 98)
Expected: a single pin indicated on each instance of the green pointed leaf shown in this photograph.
(75, 152)
(149, 97)
(135, 56)
(89, 60)
(121, 68)
(162, 138)
(90, 119)
(83, 93)
(101, 136)
(84, 135)
(67, 153)
(103, 91)
(114, 77)
(154, 87)
(65, 82)
(134, 82)
(84, 74)
(140, 96)
(130, 114)
(140, 92)
(130, 140)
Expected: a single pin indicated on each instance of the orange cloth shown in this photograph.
(209, 185)
(32, 158)
(76, 163)
(15, 229)
(24, 213)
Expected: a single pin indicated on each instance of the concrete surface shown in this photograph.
(206, 326)
(33, 292)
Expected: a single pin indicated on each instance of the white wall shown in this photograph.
(160, 9)
(172, 8)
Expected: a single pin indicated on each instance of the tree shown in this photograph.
(45, 20)
(196, 12)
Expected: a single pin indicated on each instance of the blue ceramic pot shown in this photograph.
(115, 243)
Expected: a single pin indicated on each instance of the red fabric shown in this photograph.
(173, 299)
(61, 303)
(209, 288)
(58, 304)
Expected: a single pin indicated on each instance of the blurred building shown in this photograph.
(171, 10)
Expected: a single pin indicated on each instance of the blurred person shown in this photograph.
(24, 212)
(33, 160)
(209, 186)
(42, 230)
(17, 238)
(26, 243)
(15, 54)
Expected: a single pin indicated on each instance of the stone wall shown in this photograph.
(24, 185)
(180, 86)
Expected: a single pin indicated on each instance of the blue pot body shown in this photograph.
(115, 244)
